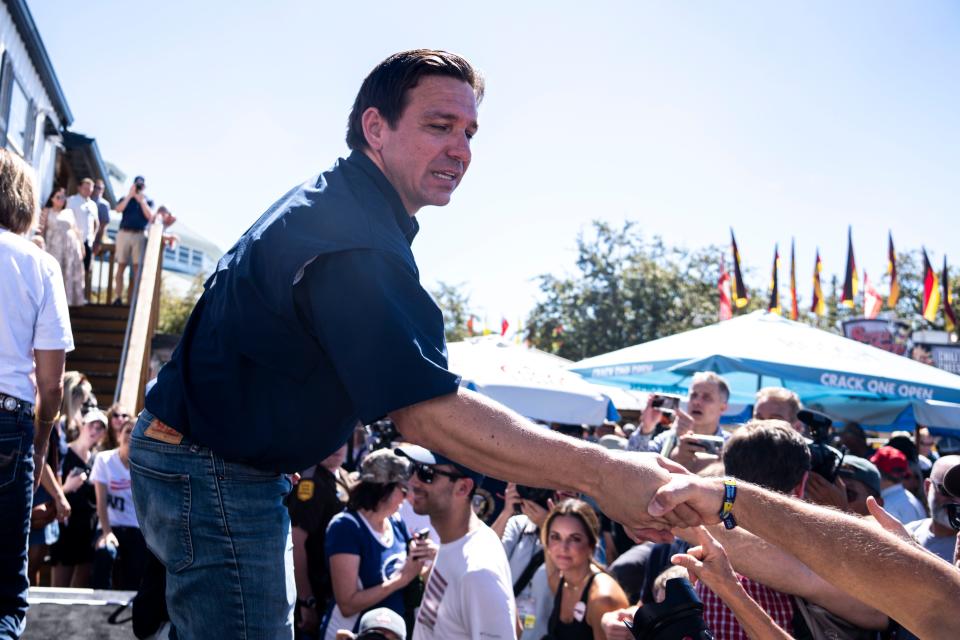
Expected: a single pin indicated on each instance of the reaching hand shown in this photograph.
(701, 496)
(536, 513)
(631, 479)
(612, 624)
(887, 521)
(708, 562)
(650, 417)
(821, 491)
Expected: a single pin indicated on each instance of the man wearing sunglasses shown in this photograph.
(470, 589)
(936, 534)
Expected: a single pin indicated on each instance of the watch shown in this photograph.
(309, 603)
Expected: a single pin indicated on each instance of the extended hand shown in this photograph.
(708, 562)
(701, 496)
(822, 492)
(630, 480)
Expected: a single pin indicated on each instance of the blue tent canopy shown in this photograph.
(841, 376)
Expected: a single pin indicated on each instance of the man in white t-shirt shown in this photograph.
(469, 594)
(936, 534)
(87, 216)
(34, 338)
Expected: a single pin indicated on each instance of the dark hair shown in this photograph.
(17, 205)
(368, 495)
(56, 190)
(386, 87)
(769, 453)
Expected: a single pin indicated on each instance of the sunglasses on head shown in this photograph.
(428, 474)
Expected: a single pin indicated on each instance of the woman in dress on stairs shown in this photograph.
(59, 229)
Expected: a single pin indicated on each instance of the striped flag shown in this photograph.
(851, 286)
(872, 302)
(738, 290)
(504, 325)
(794, 308)
(948, 316)
(931, 290)
(818, 307)
(892, 272)
(774, 305)
(726, 305)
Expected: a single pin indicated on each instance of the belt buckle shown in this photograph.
(10, 403)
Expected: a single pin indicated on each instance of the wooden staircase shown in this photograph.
(98, 334)
(112, 343)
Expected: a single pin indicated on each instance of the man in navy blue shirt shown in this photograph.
(314, 320)
(131, 241)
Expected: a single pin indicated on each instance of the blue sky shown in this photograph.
(781, 119)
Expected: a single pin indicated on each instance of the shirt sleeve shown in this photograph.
(381, 330)
(53, 317)
(99, 471)
(343, 536)
(488, 606)
(512, 533)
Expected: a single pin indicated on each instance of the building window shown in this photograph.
(196, 258)
(183, 255)
(18, 121)
(169, 254)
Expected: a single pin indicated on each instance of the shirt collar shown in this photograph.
(408, 224)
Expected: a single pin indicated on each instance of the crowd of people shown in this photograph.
(72, 230)
(562, 570)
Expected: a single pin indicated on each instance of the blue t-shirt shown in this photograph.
(103, 212)
(314, 320)
(133, 218)
(349, 533)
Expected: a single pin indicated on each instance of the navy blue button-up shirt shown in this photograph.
(314, 320)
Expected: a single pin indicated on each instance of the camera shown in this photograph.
(535, 494)
(680, 615)
(667, 405)
(383, 433)
(953, 513)
(824, 459)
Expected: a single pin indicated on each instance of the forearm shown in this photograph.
(757, 624)
(300, 566)
(50, 482)
(500, 524)
(775, 568)
(495, 441)
(845, 551)
(122, 204)
(101, 492)
(358, 601)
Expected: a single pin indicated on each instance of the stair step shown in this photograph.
(100, 311)
(109, 339)
(99, 352)
(98, 324)
(91, 366)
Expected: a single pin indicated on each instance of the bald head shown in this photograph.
(942, 466)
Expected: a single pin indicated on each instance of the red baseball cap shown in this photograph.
(891, 462)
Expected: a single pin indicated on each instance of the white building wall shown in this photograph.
(44, 149)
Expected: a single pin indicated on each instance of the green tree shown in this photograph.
(627, 290)
(455, 304)
(175, 308)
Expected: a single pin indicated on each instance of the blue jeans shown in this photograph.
(16, 501)
(222, 531)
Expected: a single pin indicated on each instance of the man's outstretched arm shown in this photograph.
(770, 565)
(908, 584)
(488, 437)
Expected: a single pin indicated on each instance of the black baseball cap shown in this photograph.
(139, 180)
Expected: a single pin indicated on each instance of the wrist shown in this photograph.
(309, 602)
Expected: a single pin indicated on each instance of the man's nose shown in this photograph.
(460, 150)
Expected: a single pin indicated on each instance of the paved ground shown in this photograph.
(77, 614)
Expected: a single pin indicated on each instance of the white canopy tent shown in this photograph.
(533, 383)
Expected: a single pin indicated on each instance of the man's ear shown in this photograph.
(927, 483)
(374, 126)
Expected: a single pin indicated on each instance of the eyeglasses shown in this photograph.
(122, 416)
(428, 474)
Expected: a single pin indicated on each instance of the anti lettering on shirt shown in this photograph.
(432, 597)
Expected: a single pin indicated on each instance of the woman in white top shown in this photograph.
(59, 228)
(34, 338)
(120, 540)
